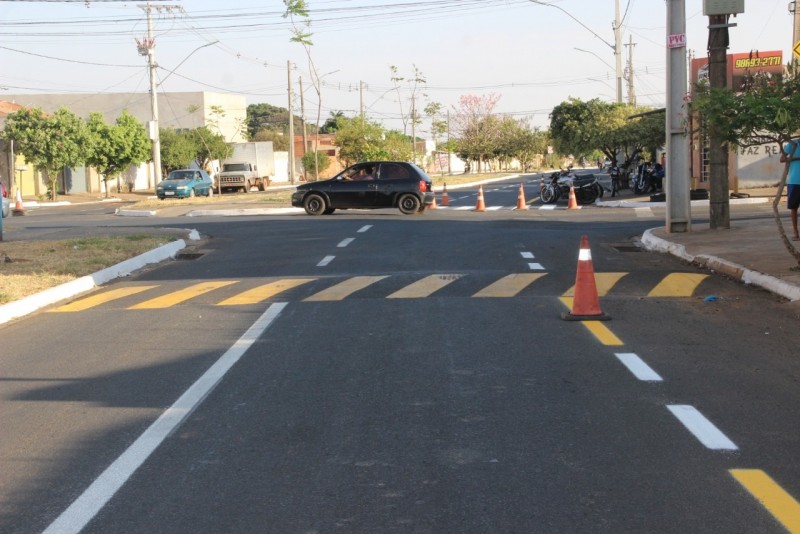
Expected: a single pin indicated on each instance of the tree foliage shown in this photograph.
(49, 142)
(766, 110)
(115, 147)
(313, 163)
(266, 117)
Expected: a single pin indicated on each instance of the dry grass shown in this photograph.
(27, 267)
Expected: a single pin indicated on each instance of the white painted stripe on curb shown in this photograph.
(548, 207)
(703, 429)
(325, 261)
(91, 501)
(636, 365)
(345, 242)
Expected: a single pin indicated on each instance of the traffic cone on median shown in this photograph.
(586, 302)
(480, 206)
(445, 198)
(18, 208)
(521, 205)
(432, 205)
(573, 202)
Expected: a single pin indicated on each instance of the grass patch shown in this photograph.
(28, 267)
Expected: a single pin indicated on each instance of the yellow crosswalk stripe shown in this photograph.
(101, 298)
(509, 286)
(344, 289)
(775, 499)
(425, 287)
(602, 333)
(677, 285)
(177, 297)
(264, 292)
(604, 282)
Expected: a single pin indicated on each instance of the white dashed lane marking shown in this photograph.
(325, 261)
(636, 365)
(703, 429)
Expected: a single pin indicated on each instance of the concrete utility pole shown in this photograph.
(719, 210)
(303, 117)
(618, 51)
(631, 93)
(291, 125)
(678, 217)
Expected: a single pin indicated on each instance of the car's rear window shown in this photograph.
(178, 175)
(393, 171)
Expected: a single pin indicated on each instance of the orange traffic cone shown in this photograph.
(585, 303)
(445, 198)
(573, 202)
(18, 208)
(480, 206)
(432, 205)
(521, 205)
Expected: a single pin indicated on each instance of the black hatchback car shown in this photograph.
(368, 185)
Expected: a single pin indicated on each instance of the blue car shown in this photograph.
(185, 183)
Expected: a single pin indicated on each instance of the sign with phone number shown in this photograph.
(754, 62)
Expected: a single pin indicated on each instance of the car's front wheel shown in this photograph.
(409, 204)
(314, 204)
(192, 194)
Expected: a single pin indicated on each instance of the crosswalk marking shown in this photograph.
(176, 297)
(509, 286)
(264, 292)
(101, 298)
(344, 289)
(678, 285)
(425, 287)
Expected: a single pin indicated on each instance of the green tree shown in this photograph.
(767, 110)
(49, 142)
(331, 125)
(210, 146)
(475, 128)
(313, 163)
(359, 140)
(178, 149)
(266, 117)
(114, 148)
(280, 141)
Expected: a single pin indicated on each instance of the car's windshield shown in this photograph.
(235, 167)
(182, 175)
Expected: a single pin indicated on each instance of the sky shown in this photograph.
(532, 56)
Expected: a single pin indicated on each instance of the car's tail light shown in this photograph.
(423, 185)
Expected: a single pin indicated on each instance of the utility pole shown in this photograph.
(719, 210)
(413, 130)
(146, 47)
(678, 218)
(631, 93)
(361, 98)
(303, 117)
(291, 124)
(618, 51)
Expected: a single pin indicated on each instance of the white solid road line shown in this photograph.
(325, 261)
(702, 428)
(85, 507)
(636, 365)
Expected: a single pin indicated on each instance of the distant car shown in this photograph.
(185, 183)
(368, 185)
(6, 202)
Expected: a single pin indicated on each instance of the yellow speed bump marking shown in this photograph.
(344, 289)
(509, 286)
(678, 285)
(264, 292)
(602, 333)
(425, 287)
(177, 297)
(603, 281)
(101, 298)
(774, 498)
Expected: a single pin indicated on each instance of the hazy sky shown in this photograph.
(524, 52)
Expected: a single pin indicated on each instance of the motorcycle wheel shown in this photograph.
(548, 195)
(587, 195)
(638, 187)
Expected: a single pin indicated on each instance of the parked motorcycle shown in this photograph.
(616, 176)
(557, 185)
(647, 178)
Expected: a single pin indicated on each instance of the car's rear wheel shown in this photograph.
(409, 204)
(192, 194)
(314, 204)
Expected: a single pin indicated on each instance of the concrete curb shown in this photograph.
(32, 303)
(637, 204)
(737, 272)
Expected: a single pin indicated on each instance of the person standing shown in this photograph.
(791, 153)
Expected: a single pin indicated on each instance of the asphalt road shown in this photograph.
(373, 372)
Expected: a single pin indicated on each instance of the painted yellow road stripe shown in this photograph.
(773, 497)
(177, 297)
(509, 286)
(344, 289)
(602, 333)
(603, 281)
(101, 298)
(678, 285)
(425, 287)
(264, 292)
